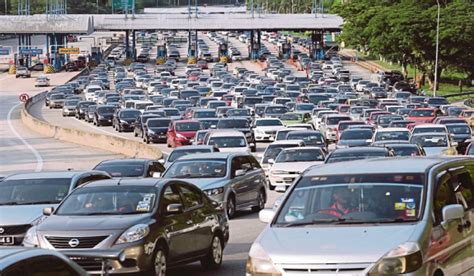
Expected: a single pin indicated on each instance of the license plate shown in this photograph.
(161, 136)
(110, 121)
(6, 240)
(288, 179)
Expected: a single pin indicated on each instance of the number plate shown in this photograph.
(6, 240)
(161, 136)
(288, 179)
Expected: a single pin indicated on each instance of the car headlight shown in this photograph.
(278, 172)
(31, 238)
(151, 132)
(248, 134)
(215, 191)
(134, 233)
(259, 131)
(180, 136)
(101, 117)
(259, 263)
(123, 122)
(404, 258)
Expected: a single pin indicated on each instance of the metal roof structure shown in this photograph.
(44, 24)
(201, 9)
(86, 24)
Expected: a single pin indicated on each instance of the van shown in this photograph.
(389, 216)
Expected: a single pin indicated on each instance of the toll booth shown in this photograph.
(96, 54)
(284, 51)
(317, 46)
(161, 54)
(255, 45)
(192, 47)
(223, 53)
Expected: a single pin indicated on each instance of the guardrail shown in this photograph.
(469, 102)
(460, 94)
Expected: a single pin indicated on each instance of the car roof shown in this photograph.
(125, 160)
(148, 181)
(429, 126)
(381, 165)
(286, 142)
(225, 133)
(210, 155)
(389, 129)
(429, 133)
(45, 175)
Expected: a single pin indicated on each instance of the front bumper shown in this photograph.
(285, 180)
(265, 137)
(157, 137)
(69, 112)
(54, 104)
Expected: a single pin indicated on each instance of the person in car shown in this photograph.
(341, 205)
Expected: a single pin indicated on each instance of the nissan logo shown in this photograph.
(2, 230)
(73, 242)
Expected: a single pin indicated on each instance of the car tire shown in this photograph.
(159, 262)
(213, 259)
(260, 202)
(135, 134)
(230, 207)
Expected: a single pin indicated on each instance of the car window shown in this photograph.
(90, 178)
(463, 187)
(191, 197)
(155, 167)
(254, 163)
(443, 196)
(170, 196)
(240, 163)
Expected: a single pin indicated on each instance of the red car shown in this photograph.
(202, 64)
(374, 115)
(182, 132)
(423, 115)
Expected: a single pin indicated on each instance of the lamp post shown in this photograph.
(437, 52)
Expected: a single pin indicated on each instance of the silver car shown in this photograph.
(23, 197)
(409, 216)
(234, 179)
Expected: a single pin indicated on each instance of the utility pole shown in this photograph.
(435, 88)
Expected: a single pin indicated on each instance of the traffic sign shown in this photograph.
(4, 51)
(24, 97)
(122, 4)
(31, 52)
(69, 51)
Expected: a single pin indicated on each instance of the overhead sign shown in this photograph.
(122, 4)
(4, 51)
(24, 97)
(31, 52)
(69, 51)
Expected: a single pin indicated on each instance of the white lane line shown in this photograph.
(39, 159)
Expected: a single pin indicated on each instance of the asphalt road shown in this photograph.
(24, 150)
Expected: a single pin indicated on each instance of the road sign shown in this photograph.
(69, 51)
(4, 51)
(31, 52)
(24, 97)
(123, 4)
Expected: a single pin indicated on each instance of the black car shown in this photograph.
(130, 167)
(71, 66)
(138, 125)
(242, 125)
(124, 118)
(406, 149)
(357, 153)
(82, 108)
(103, 115)
(155, 130)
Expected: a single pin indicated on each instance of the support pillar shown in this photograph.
(127, 44)
(251, 44)
(134, 50)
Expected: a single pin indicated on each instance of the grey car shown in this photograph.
(186, 150)
(234, 179)
(398, 216)
(23, 197)
(138, 225)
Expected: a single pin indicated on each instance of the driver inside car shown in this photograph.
(341, 203)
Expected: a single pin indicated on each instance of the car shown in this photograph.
(468, 115)
(103, 115)
(357, 153)
(435, 143)
(290, 163)
(391, 134)
(82, 108)
(355, 138)
(339, 214)
(131, 167)
(89, 113)
(272, 151)
(470, 149)
(124, 118)
(187, 150)
(182, 132)
(24, 195)
(71, 66)
(405, 149)
(69, 108)
(423, 115)
(312, 138)
(228, 140)
(241, 124)
(425, 128)
(31, 261)
(57, 100)
(265, 129)
(281, 134)
(149, 224)
(155, 130)
(22, 71)
(329, 125)
(42, 81)
(139, 124)
(235, 180)
(461, 134)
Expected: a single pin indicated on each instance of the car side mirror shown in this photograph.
(161, 161)
(156, 175)
(266, 215)
(271, 161)
(48, 211)
(454, 144)
(174, 209)
(260, 155)
(452, 212)
(240, 173)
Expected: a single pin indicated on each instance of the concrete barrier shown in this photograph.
(110, 143)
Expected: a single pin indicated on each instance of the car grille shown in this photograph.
(270, 132)
(84, 242)
(88, 264)
(337, 269)
(15, 229)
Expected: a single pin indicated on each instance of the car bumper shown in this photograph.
(265, 137)
(105, 121)
(331, 136)
(56, 104)
(69, 112)
(282, 179)
(157, 137)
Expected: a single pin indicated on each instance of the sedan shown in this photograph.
(148, 224)
(435, 143)
(131, 167)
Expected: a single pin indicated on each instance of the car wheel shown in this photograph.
(135, 134)
(119, 129)
(159, 262)
(260, 202)
(98, 123)
(213, 259)
(230, 207)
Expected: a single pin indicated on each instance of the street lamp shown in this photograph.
(437, 52)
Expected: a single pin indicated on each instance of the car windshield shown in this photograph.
(122, 169)
(273, 150)
(356, 135)
(305, 107)
(205, 114)
(459, 129)
(34, 191)
(300, 155)
(421, 113)
(238, 112)
(392, 135)
(428, 129)
(335, 120)
(429, 141)
(109, 200)
(233, 124)
(353, 199)
(291, 117)
(130, 114)
(198, 168)
(276, 110)
(354, 155)
(158, 123)
(407, 150)
(71, 102)
(105, 109)
(309, 138)
(171, 112)
(228, 142)
(438, 101)
(189, 126)
(180, 153)
(388, 119)
(268, 123)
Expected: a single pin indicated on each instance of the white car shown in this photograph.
(320, 115)
(265, 129)
(227, 140)
(91, 92)
(425, 128)
(391, 134)
(290, 163)
(41, 81)
(272, 151)
(435, 143)
(328, 125)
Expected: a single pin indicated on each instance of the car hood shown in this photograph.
(21, 214)
(340, 244)
(430, 151)
(353, 143)
(207, 183)
(236, 149)
(265, 128)
(187, 134)
(294, 166)
(79, 223)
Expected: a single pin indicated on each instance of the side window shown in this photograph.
(170, 196)
(191, 197)
(254, 163)
(240, 163)
(89, 178)
(155, 167)
(443, 196)
(462, 183)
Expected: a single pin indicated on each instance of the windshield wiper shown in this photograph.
(29, 203)
(395, 220)
(9, 203)
(311, 222)
(98, 214)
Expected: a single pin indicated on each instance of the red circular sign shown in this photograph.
(24, 97)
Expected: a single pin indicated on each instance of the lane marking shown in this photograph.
(39, 159)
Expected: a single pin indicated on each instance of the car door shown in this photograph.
(171, 134)
(448, 242)
(178, 227)
(241, 185)
(194, 203)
